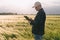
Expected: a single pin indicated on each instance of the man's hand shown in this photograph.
(29, 19)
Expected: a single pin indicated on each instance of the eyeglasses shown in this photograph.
(35, 7)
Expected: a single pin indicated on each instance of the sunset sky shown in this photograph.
(25, 6)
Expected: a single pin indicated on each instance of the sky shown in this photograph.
(25, 6)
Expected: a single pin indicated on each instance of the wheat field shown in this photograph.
(16, 27)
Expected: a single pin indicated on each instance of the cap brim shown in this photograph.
(33, 6)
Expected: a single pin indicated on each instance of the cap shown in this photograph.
(36, 4)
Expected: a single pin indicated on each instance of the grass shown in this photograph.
(18, 28)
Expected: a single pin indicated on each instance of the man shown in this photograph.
(38, 24)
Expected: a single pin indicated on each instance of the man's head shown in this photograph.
(37, 6)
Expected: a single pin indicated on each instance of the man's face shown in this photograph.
(37, 8)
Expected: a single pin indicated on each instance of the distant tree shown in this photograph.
(8, 13)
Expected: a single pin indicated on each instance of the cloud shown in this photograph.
(53, 10)
(25, 6)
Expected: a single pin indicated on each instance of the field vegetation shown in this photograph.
(16, 27)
